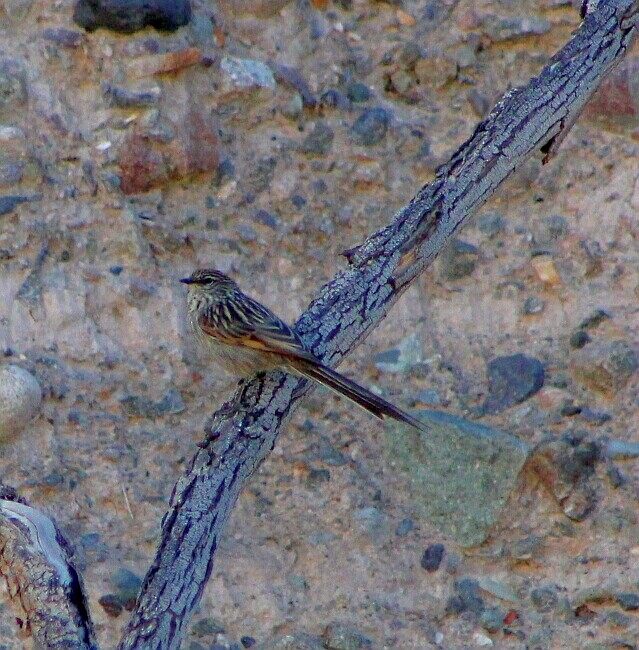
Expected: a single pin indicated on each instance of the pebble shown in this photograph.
(20, 398)
(628, 602)
(246, 73)
(133, 15)
(9, 203)
(370, 127)
(544, 598)
(206, 627)
(343, 637)
(154, 64)
(492, 619)
(293, 78)
(512, 380)
(549, 230)
(433, 556)
(466, 597)
(64, 37)
(605, 367)
(142, 97)
(319, 141)
(126, 585)
(247, 641)
(335, 99)
(404, 527)
(621, 450)
(458, 260)
(143, 407)
(111, 605)
(533, 305)
(358, 92)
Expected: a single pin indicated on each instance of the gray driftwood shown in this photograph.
(241, 435)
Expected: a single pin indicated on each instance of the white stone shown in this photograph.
(20, 398)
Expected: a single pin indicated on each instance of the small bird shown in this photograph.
(245, 337)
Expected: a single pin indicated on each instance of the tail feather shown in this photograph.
(359, 395)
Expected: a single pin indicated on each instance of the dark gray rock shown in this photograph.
(628, 602)
(404, 527)
(460, 473)
(466, 597)
(126, 587)
(370, 127)
(512, 380)
(128, 16)
(458, 260)
(9, 203)
(319, 141)
(433, 556)
(358, 92)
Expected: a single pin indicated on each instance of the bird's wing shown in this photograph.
(242, 321)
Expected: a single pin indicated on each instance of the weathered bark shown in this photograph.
(244, 431)
(36, 565)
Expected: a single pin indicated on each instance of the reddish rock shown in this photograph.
(147, 163)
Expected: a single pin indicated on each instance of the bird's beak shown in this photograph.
(187, 280)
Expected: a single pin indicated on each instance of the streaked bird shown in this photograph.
(244, 337)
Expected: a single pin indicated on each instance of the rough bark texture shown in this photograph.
(243, 433)
(37, 568)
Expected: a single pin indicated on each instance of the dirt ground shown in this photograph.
(123, 194)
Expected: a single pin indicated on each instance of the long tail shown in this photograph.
(359, 395)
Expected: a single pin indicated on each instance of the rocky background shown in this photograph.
(264, 137)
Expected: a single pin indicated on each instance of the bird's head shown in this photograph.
(207, 286)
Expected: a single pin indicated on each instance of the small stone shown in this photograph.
(335, 99)
(111, 605)
(526, 548)
(293, 107)
(342, 637)
(127, 587)
(467, 597)
(20, 398)
(492, 619)
(533, 305)
(358, 92)
(64, 37)
(432, 558)
(293, 78)
(622, 450)
(628, 602)
(9, 203)
(544, 599)
(546, 270)
(370, 127)
(246, 73)
(579, 339)
(316, 477)
(512, 380)
(458, 260)
(141, 97)
(435, 69)
(206, 627)
(133, 15)
(247, 641)
(605, 367)
(404, 527)
(319, 141)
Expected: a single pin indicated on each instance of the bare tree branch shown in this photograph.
(36, 564)
(243, 433)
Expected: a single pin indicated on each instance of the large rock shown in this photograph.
(20, 398)
(460, 472)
